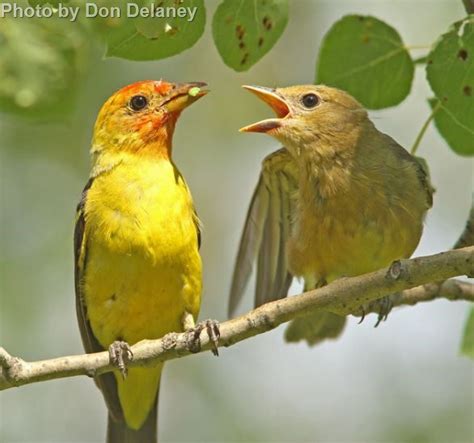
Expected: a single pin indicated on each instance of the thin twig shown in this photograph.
(424, 128)
(416, 47)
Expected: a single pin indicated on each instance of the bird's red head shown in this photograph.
(141, 117)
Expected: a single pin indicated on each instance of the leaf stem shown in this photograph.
(424, 128)
(421, 60)
(416, 47)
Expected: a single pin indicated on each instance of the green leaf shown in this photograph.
(450, 72)
(367, 58)
(41, 62)
(467, 345)
(157, 37)
(105, 26)
(458, 136)
(244, 31)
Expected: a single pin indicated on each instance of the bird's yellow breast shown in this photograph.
(143, 266)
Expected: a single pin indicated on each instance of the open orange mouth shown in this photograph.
(276, 102)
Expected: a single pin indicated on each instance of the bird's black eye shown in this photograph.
(138, 102)
(310, 100)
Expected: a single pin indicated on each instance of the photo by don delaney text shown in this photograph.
(92, 10)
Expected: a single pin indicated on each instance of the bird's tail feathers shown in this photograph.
(316, 327)
(119, 432)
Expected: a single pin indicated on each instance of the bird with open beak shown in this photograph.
(339, 199)
(137, 236)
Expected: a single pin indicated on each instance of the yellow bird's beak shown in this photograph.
(275, 101)
(184, 94)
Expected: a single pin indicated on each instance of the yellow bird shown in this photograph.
(137, 264)
(340, 199)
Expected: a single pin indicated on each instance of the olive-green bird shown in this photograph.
(339, 199)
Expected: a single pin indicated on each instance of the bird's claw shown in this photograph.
(362, 317)
(120, 355)
(213, 332)
(385, 306)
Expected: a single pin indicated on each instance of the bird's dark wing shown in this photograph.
(266, 232)
(421, 168)
(424, 177)
(105, 382)
(198, 225)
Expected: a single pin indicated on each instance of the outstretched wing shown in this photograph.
(105, 382)
(266, 231)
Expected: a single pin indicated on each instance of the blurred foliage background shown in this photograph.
(403, 382)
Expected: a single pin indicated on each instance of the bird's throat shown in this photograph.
(324, 173)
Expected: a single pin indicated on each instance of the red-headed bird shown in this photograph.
(137, 264)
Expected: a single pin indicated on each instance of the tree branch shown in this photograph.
(343, 296)
(447, 289)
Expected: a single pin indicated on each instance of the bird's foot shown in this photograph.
(384, 305)
(213, 332)
(120, 354)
